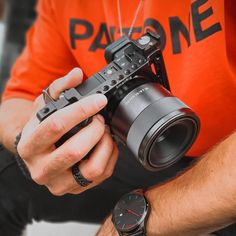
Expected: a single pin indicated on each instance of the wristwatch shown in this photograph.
(131, 213)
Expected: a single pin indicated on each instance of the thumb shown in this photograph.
(72, 79)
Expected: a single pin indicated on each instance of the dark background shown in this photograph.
(17, 16)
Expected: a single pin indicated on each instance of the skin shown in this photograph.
(198, 202)
(51, 166)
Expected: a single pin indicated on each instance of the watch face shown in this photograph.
(129, 212)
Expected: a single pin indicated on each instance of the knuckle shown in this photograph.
(54, 88)
(21, 149)
(57, 191)
(73, 154)
(67, 158)
(108, 143)
(95, 172)
(100, 127)
(24, 150)
(108, 173)
(38, 178)
(56, 125)
(82, 110)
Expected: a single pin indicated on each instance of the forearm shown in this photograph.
(199, 201)
(14, 113)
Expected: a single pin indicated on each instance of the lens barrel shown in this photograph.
(157, 127)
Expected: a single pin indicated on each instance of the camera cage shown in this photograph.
(135, 66)
(127, 58)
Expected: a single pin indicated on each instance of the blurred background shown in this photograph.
(16, 16)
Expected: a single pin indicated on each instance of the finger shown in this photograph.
(44, 135)
(112, 162)
(65, 183)
(94, 167)
(72, 79)
(62, 121)
(108, 172)
(73, 150)
(80, 189)
(70, 185)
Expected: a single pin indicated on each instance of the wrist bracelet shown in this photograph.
(21, 164)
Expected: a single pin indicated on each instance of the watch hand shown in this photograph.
(132, 212)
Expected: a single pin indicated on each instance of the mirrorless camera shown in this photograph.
(156, 126)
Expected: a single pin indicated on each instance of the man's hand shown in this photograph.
(52, 167)
(107, 229)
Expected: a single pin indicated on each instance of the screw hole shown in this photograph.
(113, 82)
(45, 110)
(106, 87)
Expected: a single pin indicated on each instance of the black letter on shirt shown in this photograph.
(74, 36)
(176, 27)
(103, 31)
(198, 17)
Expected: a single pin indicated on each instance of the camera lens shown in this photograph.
(157, 127)
(166, 143)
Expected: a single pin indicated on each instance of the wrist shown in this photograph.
(12, 120)
(152, 221)
(159, 221)
(8, 140)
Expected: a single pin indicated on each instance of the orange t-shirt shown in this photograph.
(198, 41)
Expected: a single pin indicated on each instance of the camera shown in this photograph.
(142, 113)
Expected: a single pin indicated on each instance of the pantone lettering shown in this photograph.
(106, 34)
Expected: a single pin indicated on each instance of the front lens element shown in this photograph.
(168, 144)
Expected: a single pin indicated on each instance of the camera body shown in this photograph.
(126, 59)
(141, 111)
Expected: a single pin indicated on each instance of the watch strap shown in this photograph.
(139, 233)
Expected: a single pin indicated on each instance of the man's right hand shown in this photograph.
(51, 166)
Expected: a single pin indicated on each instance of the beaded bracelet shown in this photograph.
(21, 164)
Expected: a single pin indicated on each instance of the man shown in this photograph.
(197, 42)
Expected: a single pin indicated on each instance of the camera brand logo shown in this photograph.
(131, 98)
(177, 29)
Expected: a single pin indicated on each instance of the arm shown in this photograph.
(199, 201)
(12, 120)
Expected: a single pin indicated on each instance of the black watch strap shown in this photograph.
(139, 233)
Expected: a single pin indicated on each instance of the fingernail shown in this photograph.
(101, 100)
(100, 117)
